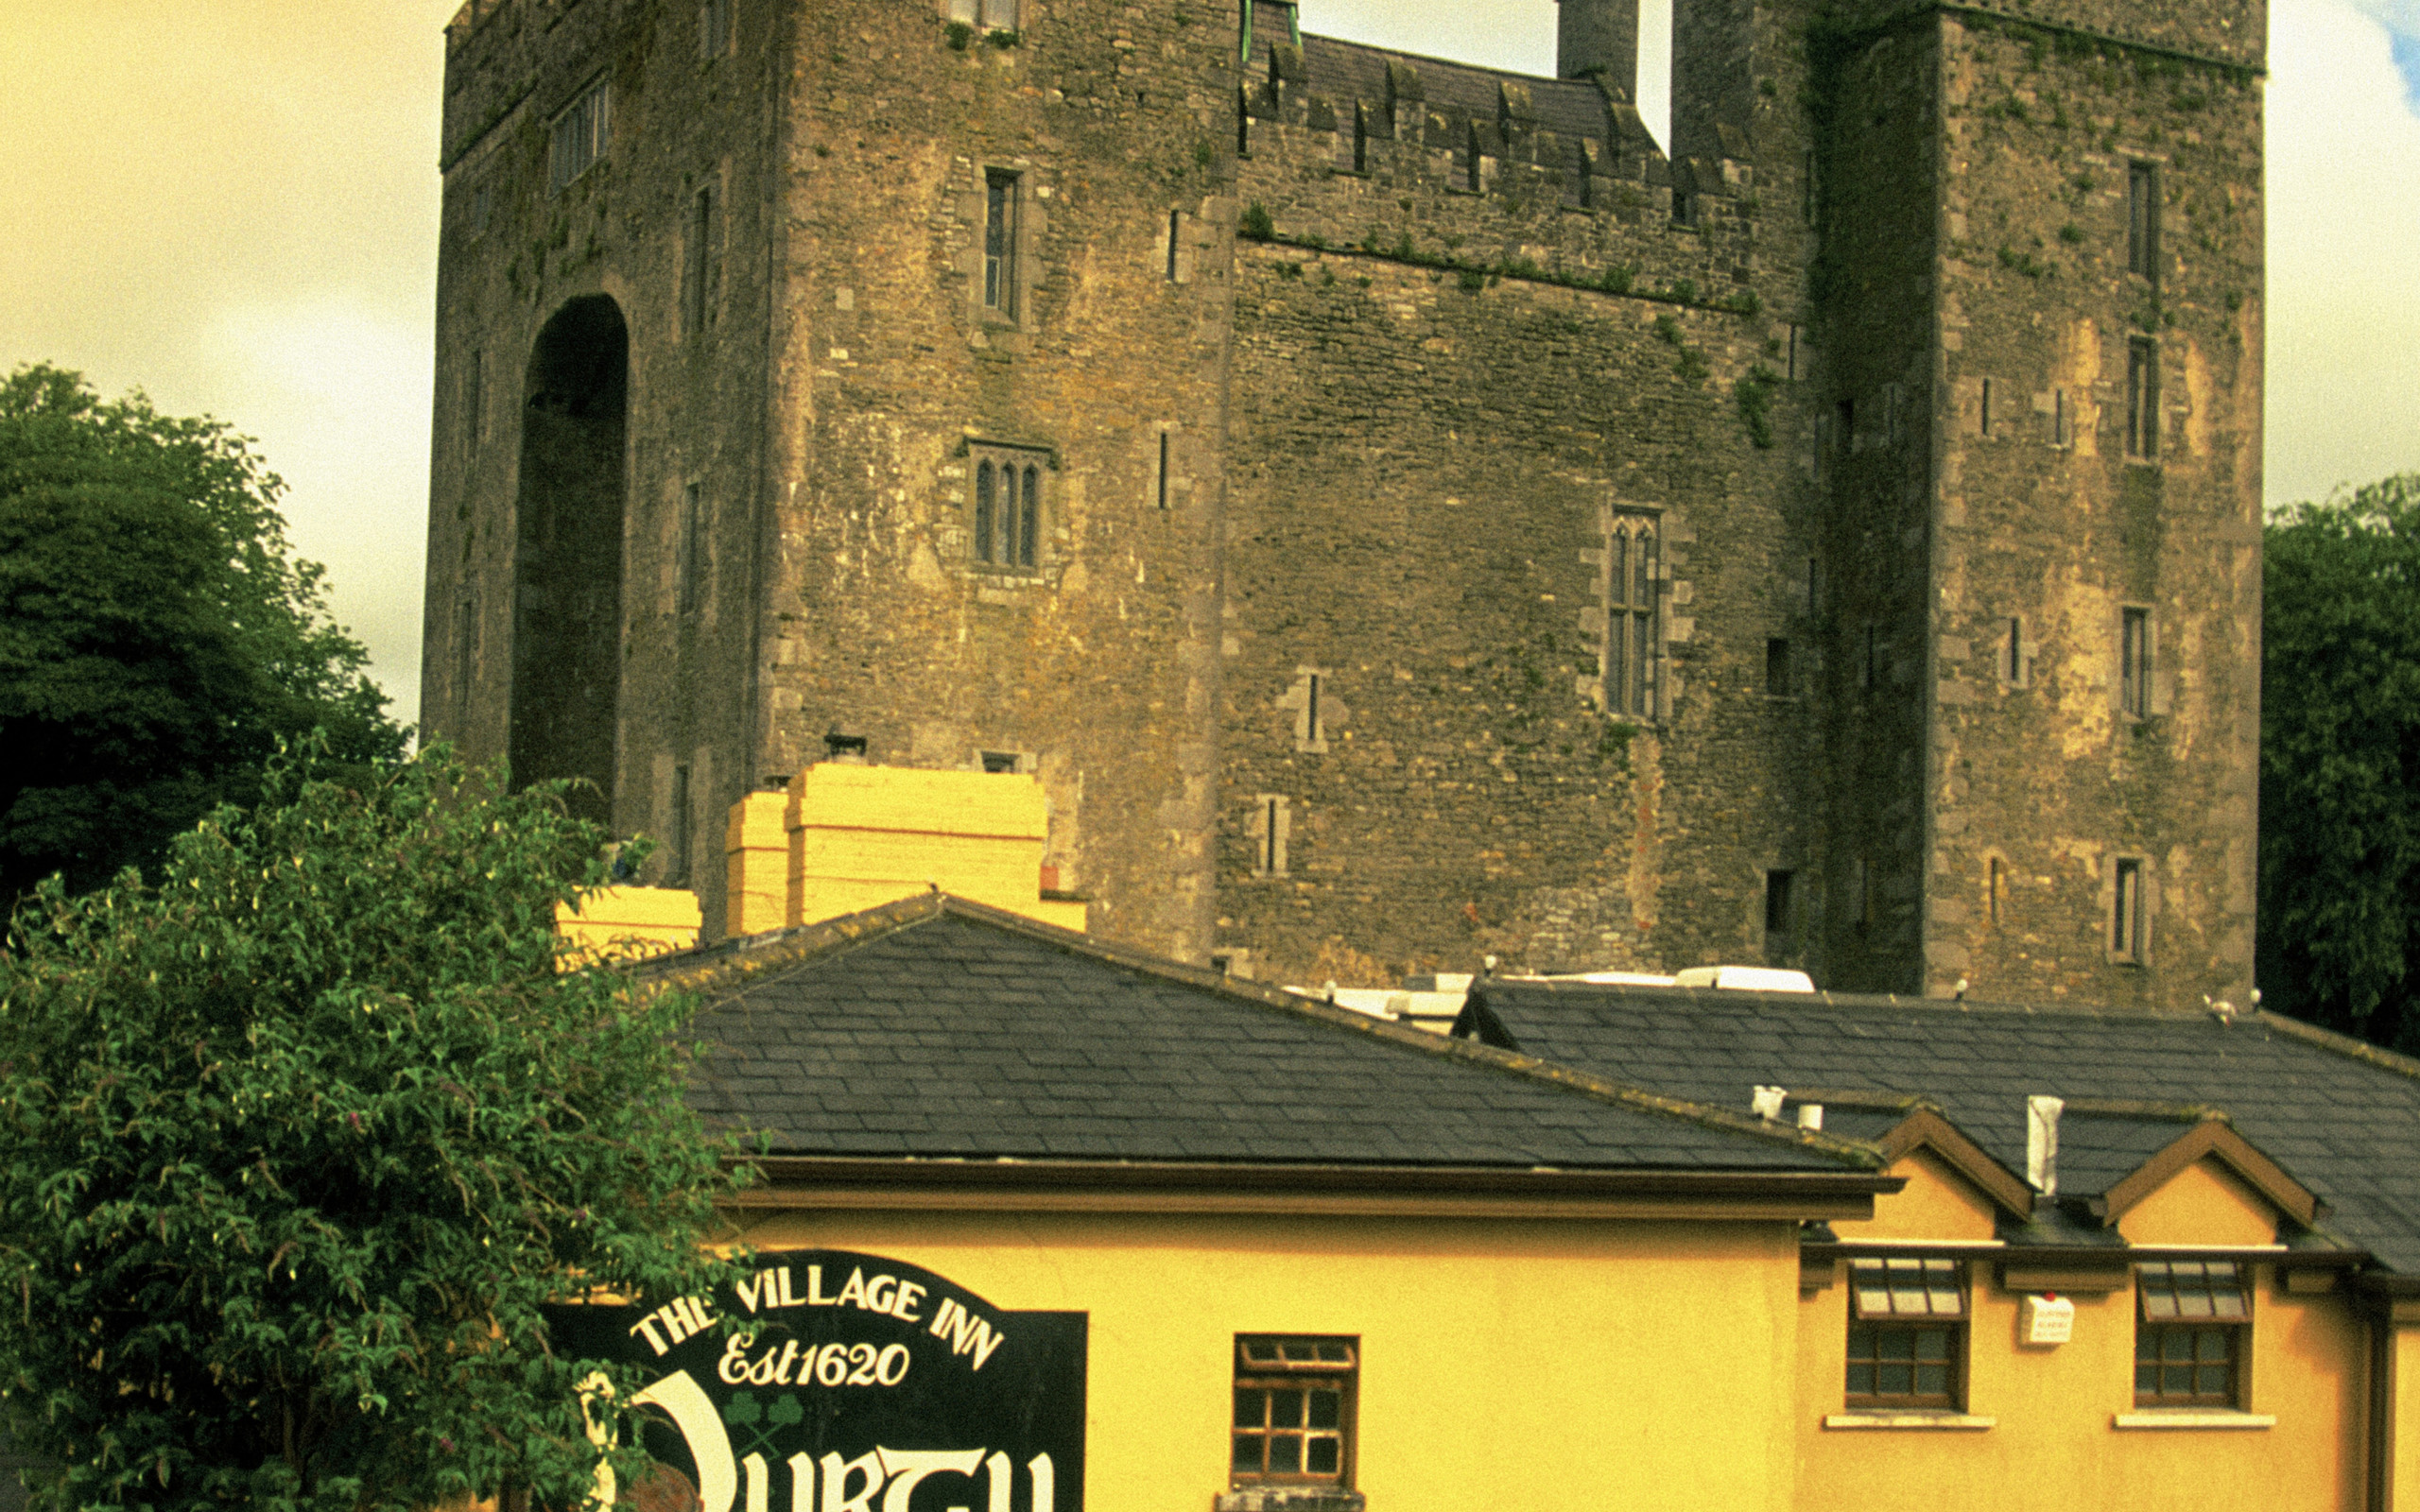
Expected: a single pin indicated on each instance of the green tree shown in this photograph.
(157, 639)
(2339, 762)
(297, 1143)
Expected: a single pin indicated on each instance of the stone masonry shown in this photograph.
(1401, 514)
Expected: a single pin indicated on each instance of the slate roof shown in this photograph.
(2342, 1118)
(938, 1029)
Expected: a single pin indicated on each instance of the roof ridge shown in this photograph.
(2338, 1042)
(1866, 1001)
(790, 948)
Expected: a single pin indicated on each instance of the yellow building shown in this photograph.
(1051, 1224)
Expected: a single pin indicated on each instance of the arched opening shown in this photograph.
(567, 563)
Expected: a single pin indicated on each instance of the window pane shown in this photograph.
(2193, 1304)
(1897, 1344)
(2213, 1380)
(1326, 1409)
(1894, 1380)
(1621, 568)
(2146, 1378)
(1932, 1343)
(2210, 1344)
(2175, 1344)
(1030, 526)
(1326, 1455)
(1247, 1455)
(1284, 1457)
(984, 488)
(1250, 1408)
(1860, 1379)
(1932, 1381)
(1261, 1350)
(1285, 1409)
(1335, 1354)
(2158, 1305)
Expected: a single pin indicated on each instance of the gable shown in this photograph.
(2203, 1204)
(1937, 1203)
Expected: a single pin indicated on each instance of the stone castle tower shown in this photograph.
(1398, 512)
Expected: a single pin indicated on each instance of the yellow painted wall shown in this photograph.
(2203, 1204)
(631, 922)
(2054, 1408)
(848, 837)
(1570, 1366)
(2405, 1457)
(1937, 1203)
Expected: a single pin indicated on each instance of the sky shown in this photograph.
(232, 205)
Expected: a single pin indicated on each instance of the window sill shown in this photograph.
(2193, 1418)
(1916, 1421)
(1292, 1499)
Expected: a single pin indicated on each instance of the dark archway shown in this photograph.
(567, 563)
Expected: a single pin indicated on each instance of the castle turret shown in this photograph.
(1599, 39)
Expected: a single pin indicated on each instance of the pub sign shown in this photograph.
(853, 1383)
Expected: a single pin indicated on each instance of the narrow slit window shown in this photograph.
(1029, 519)
(1778, 681)
(474, 400)
(677, 839)
(986, 507)
(2126, 911)
(697, 292)
(714, 29)
(2059, 420)
(1270, 823)
(1779, 915)
(1631, 619)
(1474, 180)
(1360, 138)
(1984, 425)
(1176, 240)
(999, 762)
(2142, 398)
(2013, 653)
(1994, 891)
(1161, 487)
(1001, 193)
(2142, 220)
(1243, 117)
(1794, 373)
(689, 567)
(466, 646)
(1311, 708)
(2135, 663)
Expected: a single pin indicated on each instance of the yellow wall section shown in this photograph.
(2055, 1408)
(1548, 1367)
(1937, 1203)
(631, 922)
(2406, 1458)
(847, 838)
(2203, 1204)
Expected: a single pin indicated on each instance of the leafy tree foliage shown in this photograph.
(295, 1144)
(157, 640)
(2340, 763)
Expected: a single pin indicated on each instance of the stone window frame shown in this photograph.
(581, 135)
(2144, 354)
(1271, 833)
(1641, 646)
(2129, 905)
(986, 16)
(716, 33)
(2145, 184)
(2138, 691)
(2012, 652)
(1020, 243)
(1038, 465)
(700, 262)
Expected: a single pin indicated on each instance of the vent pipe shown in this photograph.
(2042, 1144)
(1766, 1101)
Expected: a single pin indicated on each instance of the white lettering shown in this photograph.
(732, 1367)
(1001, 1473)
(789, 1357)
(986, 1340)
(882, 1294)
(909, 1294)
(748, 1291)
(949, 1309)
(757, 1474)
(647, 1326)
(693, 1412)
(801, 1484)
(783, 1275)
(815, 1297)
(1045, 1482)
(854, 1290)
(908, 1469)
(836, 1481)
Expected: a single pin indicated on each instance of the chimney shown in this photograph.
(1601, 37)
(2042, 1144)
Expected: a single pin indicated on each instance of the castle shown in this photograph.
(1399, 514)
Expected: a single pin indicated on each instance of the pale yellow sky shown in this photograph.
(232, 205)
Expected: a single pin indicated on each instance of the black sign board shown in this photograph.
(856, 1384)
